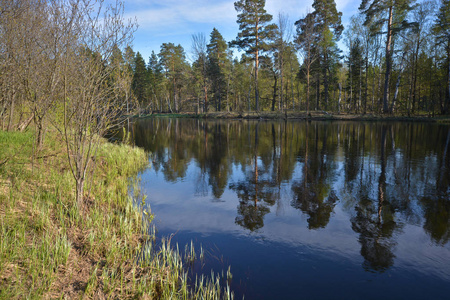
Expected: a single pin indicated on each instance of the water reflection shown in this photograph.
(313, 193)
(384, 176)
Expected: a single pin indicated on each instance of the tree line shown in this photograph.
(398, 62)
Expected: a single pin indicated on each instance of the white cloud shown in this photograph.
(173, 15)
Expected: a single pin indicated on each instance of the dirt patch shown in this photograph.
(72, 279)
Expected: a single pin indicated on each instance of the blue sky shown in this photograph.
(176, 21)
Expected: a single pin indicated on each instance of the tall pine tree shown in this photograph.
(173, 59)
(388, 15)
(154, 70)
(255, 32)
(140, 79)
(329, 25)
(217, 56)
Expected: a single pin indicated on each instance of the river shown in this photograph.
(306, 210)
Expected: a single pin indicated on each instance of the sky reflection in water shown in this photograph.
(320, 209)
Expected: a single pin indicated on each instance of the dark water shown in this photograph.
(301, 210)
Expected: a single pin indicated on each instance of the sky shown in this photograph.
(175, 21)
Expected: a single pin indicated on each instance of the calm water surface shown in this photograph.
(302, 210)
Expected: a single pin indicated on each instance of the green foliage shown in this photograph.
(217, 62)
(173, 60)
(355, 73)
(255, 29)
(140, 81)
(376, 13)
(328, 18)
(254, 33)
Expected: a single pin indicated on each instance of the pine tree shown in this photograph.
(392, 14)
(140, 79)
(255, 32)
(173, 59)
(154, 70)
(129, 57)
(329, 25)
(355, 70)
(217, 59)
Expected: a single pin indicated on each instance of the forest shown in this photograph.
(396, 62)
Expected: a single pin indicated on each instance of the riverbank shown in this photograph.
(313, 115)
(51, 248)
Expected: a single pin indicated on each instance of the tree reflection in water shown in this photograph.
(313, 194)
(383, 175)
(255, 193)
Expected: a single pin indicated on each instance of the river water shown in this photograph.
(306, 210)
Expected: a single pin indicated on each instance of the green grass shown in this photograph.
(51, 248)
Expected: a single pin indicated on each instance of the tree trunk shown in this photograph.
(248, 96)
(40, 133)
(317, 92)
(281, 80)
(366, 79)
(274, 94)
(175, 104)
(397, 85)
(414, 81)
(22, 126)
(205, 91)
(325, 83)
(388, 63)
(292, 94)
(307, 88)
(219, 104)
(339, 100)
(228, 90)
(447, 88)
(11, 113)
(79, 192)
(351, 85)
(360, 90)
(256, 81)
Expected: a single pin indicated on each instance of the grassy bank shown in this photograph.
(313, 115)
(51, 248)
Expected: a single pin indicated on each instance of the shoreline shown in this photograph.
(313, 116)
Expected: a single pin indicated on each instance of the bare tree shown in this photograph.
(13, 22)
(89, 96)
(282, 37)
(200, 58)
